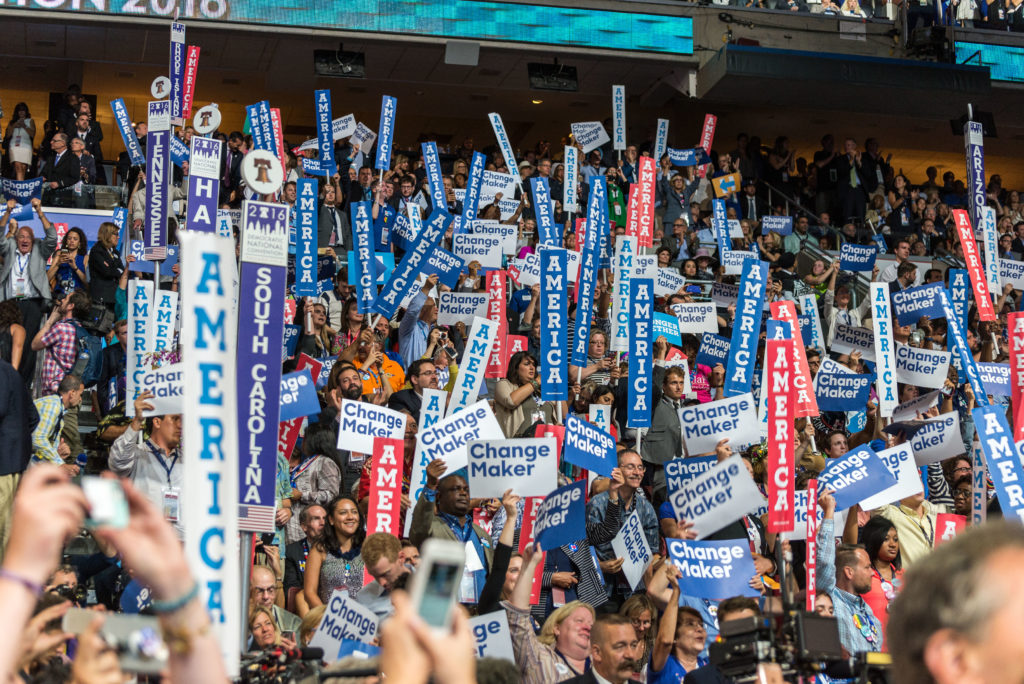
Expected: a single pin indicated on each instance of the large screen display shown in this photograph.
(466, 19)
(1005, 63)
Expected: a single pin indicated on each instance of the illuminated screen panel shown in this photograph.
(468, 19)
(1005, 63)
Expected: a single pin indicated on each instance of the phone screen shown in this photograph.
(439, 592)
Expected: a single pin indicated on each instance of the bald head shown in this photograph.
(264, 586)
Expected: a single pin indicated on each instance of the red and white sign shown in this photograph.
(779, 357)
(516, 343)
(384, 513)
(806, 402)
(948, 525)
(191, 67)
(581, 234)
(497, 361)
(707, 137)
(1015, 330)
(812, 542)
(288, 431)
(975, 269)
(632, 211)
(647, 175)
(531, 505)
(275, 124)
(556, 431)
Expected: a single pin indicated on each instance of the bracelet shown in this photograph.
(34, 587)
(179, 639)
(177, 604)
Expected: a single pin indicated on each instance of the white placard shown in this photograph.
(717, 497)
(799, 532)
(908, 410)
(696, 317)
(668, 282)
(461, 307)
(733, 261)
(491, 636)
(484, 249)
(361, 421)
(345, 618)
(704, 425)
(527, 466)
(630, 544)
(921, 367)
(589, 134)
(848, 339)
(449, 439)
(167, 385)
(938, 440)
(900, 462)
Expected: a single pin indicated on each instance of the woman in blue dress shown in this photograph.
(69, 265)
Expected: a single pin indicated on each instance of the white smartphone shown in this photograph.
(435, 586)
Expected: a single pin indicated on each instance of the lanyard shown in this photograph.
(22, 264)
(156, 453)
(301, 468)
(586, 663)
(305, 555)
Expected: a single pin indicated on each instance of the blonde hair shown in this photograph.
(254, 612)
(106, 230)
(547, 632)
(310, 623)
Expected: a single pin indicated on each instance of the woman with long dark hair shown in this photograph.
(21, 130)
(517, 395)
(882, 542)
(67, 273)
(334, 561)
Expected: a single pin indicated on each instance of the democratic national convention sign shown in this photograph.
(561, 518)
(527, 466)
(360, 422)
(717, 497)
(857, 258)
(587, 446)
(911, 304)
(855, 476)
(704, 425)
(921, 367)
(747, 328)
(638, 395)
(713, 569)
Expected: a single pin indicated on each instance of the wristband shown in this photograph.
(163, 607)
(35, 588)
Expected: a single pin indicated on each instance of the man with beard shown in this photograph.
(613, 643)
(422, 375)
(452, 521)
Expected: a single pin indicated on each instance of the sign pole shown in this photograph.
(244, 558)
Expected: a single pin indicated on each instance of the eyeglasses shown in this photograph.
(962, 469)
(429, 373)
(962, 494)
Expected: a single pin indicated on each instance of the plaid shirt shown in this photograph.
(847, 606)
(60, 354)
(46, 436)
(538, 663)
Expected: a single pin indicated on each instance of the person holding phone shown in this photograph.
(67, 273)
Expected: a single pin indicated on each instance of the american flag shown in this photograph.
(255, 518)
(154, 253)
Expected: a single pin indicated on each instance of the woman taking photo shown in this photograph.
(67, 273)
(517, 396)
(263, 630)
(105, 266)
(317, 337)
(334, 561)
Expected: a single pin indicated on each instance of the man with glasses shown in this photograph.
(630, 497)
(265, 588)
(676, 241)
(422, 375)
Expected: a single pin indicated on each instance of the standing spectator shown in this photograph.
(67, 273)
(12, 333)
(18, 420)
(23, 274)
(61, 170)
(47, 444)
(853, 195)
(315, 478)
(105, 266)
(57, 337)
(21, 130)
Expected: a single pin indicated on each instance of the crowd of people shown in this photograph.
(572, 614)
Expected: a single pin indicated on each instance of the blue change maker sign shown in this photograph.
(561, 518)
(554, 338)
(747, 327)
(641, 356)
(589, 447)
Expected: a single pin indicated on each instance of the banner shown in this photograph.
(848, 339)
(885, 354)
(344, 619)
(298, 396)
(589, 134)
(166, 316)
(668, 282)
(288, 430)
(855, 476)
(1015, 332)
(158, 179)
(713, 569)
(209, 431)
(911, 304)
(167, 384)
(996, 378)
(474, 362)
(803, 394)
(689, 157)
(987, 225)
(140, 338)
(491, 636)
(619, 117)
(680, 470)
(630, 544)
(571, 179)
(432, 164)
(937, 439)
(717, 497)
(461, 307)
(589, 446)
(970, 368)
(704, 425)
(191, 67)
(900, 462)
(857, 258)
(747, 327)
(720, 227)
(506, 234)
(386, 129)
(405, 273)
(554, 337)
(667, 326)
(714, 350)
(974, 152)
(203, 184)
(124, 125)
(177, 69)
(810, 529)
(483, 249)
(497, 362)
(527, 466)
(979, 484)
(365, 273)
(547, 230)
(561, 518)
(641, 306)
(843, 391)
(625, 252)
(781, 410)
(361, 422)
(384, 513)
(783, 225)
(1011, 273)
(1003, 459)
(647, 175)
(982, 297)
(707, 136)
(921, 367)
(306, 238)
(258, 382)
(324, 131)
(449, 438)
(342, 127)
(587, 282)
(505, 146)
(958, 287)
(809, 307)
(660, 140)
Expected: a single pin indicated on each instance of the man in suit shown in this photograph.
(852, 184)
(23, 274)
(91, 136)
(422, 375)
(62, 170)
(311, 520)
(613, 651)
(751, 206)
(231, 174)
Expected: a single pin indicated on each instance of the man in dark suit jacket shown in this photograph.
(752, 207)
(613, 645)
(852, 184)
(422, 374)
(61, 171)
(311, 520)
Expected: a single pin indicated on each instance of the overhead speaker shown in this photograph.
(462, 52)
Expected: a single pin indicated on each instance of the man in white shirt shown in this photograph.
(902, 254)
